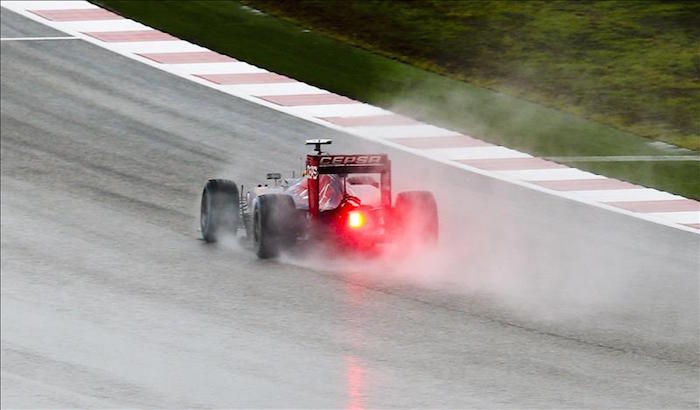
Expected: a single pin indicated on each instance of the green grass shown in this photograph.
(324, 61)
(631, 64)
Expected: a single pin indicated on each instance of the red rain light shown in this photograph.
(356, 219)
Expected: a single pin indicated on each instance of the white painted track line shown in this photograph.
(622, 195)
(691, 217)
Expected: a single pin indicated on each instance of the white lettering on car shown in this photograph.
(351, 160)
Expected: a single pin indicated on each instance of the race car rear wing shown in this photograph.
(321, 163)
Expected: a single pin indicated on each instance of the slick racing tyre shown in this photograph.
(416, 217)
(274, 219)
(219, 211)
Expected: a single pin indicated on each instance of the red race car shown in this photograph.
(338, 200)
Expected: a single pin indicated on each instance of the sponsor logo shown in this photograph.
(312, 171)
(351, 160)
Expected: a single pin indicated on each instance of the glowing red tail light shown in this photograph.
(356, 219)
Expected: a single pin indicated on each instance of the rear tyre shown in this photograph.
(416, 218)
(274, 224)
(219, 213)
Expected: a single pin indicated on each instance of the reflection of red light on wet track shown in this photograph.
(355, 371)
(356, 291)
(355, 383)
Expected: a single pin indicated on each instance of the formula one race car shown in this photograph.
(338, 200)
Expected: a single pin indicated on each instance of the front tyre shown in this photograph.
(219, 213)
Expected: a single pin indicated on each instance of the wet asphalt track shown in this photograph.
(110, 300)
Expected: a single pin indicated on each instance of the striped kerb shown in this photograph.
(77, 14)
(131, 35)
(246, 78)
(587, 184)
(509, 164)
(188, 57)
(452, 141)
(308, 99)
(372, 120)
(674, 205)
